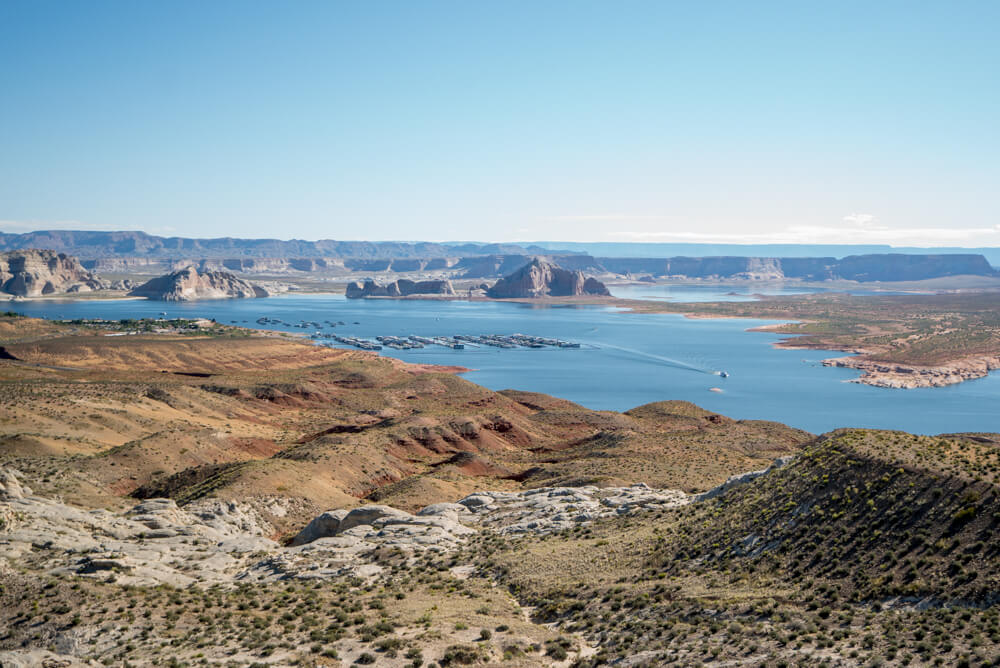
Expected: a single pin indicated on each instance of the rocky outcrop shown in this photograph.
(741, 479)
(42, 658)
(155, 542)
(10, 487)
(548, 509)
(399, 288)
(215, 541)
(32, 273)
(910, 376)
(541, 510)
(321, 526)
(189, 285)
(539, 278)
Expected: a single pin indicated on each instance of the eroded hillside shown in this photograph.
(871, 547)
(95, 418)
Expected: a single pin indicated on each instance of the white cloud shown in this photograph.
(860, 219)
(854, 228)
(855, 234)
(600, 218)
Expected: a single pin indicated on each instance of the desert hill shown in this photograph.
(228, 495)
(866, 547)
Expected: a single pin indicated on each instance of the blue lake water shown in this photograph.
(628, 359)
(687, 292)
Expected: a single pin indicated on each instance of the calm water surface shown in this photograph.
(628, 359)
(686, 292)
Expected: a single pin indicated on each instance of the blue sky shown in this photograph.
(616, 121)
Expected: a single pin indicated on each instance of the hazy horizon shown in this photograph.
(591, 246)
(775, 122)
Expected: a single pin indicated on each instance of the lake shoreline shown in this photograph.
(872, 372)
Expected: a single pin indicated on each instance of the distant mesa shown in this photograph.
(861, 268)
(539, 278)
(124, 285)
(399, 288)
(886, 267)
(90, 244)
(33, 273)
(190, 285)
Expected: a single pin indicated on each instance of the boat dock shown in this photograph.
(363, 344)
(415, 342)
(457, 342)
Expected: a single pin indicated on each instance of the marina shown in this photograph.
(456, 342)
(630, 359)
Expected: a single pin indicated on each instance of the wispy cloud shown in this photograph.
(601, 218)
(854, 228)
(19, 226)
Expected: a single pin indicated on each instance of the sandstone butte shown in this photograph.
(399, 288)
(33, 273)
(188, 284)
(539, 278)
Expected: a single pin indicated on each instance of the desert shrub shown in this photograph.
(461, 654)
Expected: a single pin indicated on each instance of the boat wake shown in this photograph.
(667, 361)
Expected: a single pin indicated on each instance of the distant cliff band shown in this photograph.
(862, 268)
(33, 273)
(398, 288)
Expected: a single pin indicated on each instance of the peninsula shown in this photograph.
(895, 341)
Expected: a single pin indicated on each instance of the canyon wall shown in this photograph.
(32, 273)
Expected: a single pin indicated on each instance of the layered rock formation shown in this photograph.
(31, 273)
(862, 268)
(398, 288)
(281, 265)
(94, 244)
(188, 285)
(122, 265)
(539, 278)
(156, 542)
(910, 376)
(491, 266)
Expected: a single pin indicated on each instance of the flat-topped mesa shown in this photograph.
(32, 273)
(399, 288)
(861, 268)
(92, 244)
(189, 285)
(539, 278)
